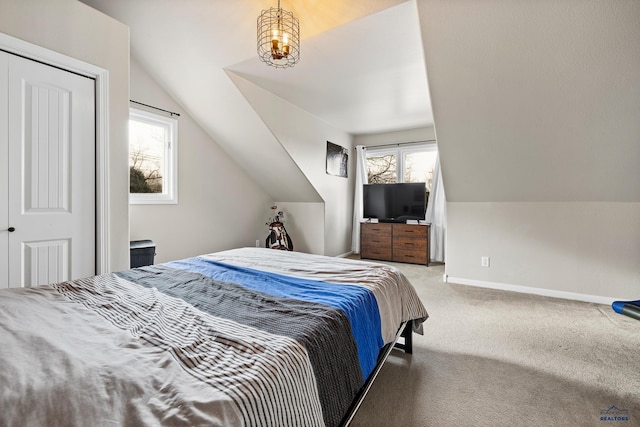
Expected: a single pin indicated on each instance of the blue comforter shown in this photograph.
(358, 303)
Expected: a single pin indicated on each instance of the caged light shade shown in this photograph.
(278, 38)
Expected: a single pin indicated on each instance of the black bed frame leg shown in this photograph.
(407, 334)
(408, 337)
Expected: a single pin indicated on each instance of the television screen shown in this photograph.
(395, 202)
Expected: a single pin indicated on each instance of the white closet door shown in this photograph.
(4, 176)
(51, 174)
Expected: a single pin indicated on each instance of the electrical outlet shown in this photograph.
(257, 243)
(484, 261)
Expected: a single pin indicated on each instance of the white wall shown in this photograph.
(535, 101)
(305, 137)
(219, 206)
(581, 249)
(536, 108)
(78, 31)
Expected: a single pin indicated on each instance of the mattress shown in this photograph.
(243, 337)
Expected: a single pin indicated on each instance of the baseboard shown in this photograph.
(530, 290)
(345, 254)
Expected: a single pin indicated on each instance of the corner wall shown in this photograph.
(305, 137)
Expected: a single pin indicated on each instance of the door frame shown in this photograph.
(28, 50)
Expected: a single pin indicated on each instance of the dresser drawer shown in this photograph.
(409, 231)
(374, 251)
(382, 231)
(409, 244)
(410, 249)
(415, 257)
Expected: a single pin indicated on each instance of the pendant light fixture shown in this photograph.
(278, 38)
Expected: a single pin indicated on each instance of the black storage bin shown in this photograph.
(141, 253)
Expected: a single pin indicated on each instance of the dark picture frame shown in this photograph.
(337, 160)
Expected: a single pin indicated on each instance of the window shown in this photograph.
(382, 167)
(153, 158)
(401, 164)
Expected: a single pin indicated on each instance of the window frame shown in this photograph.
(399, 152)
(169, 195)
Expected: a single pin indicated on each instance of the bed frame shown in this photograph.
(406, 332)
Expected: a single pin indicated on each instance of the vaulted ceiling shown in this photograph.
(361, 69)
(532, 101)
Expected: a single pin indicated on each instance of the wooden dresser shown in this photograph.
(395, 242)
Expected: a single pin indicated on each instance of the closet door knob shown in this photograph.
(11, 229)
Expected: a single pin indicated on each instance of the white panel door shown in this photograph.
(51, 174)
(4, 175)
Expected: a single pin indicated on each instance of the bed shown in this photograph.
(247, 336)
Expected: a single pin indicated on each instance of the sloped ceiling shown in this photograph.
(535, 101)
(361, 70)
(364, 77)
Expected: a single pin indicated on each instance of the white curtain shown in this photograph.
(437, 215)
(361, 179)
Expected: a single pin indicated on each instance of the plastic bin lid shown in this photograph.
(138, 244)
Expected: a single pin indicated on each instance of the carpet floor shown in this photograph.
(498, 358)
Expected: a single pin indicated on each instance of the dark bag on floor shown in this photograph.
(278, 237)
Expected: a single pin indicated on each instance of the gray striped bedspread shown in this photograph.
(173, 345)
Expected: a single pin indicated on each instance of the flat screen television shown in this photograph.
(395, 202)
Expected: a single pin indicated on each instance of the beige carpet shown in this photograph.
(496, 358)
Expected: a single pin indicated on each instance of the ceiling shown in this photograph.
(361, 70)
